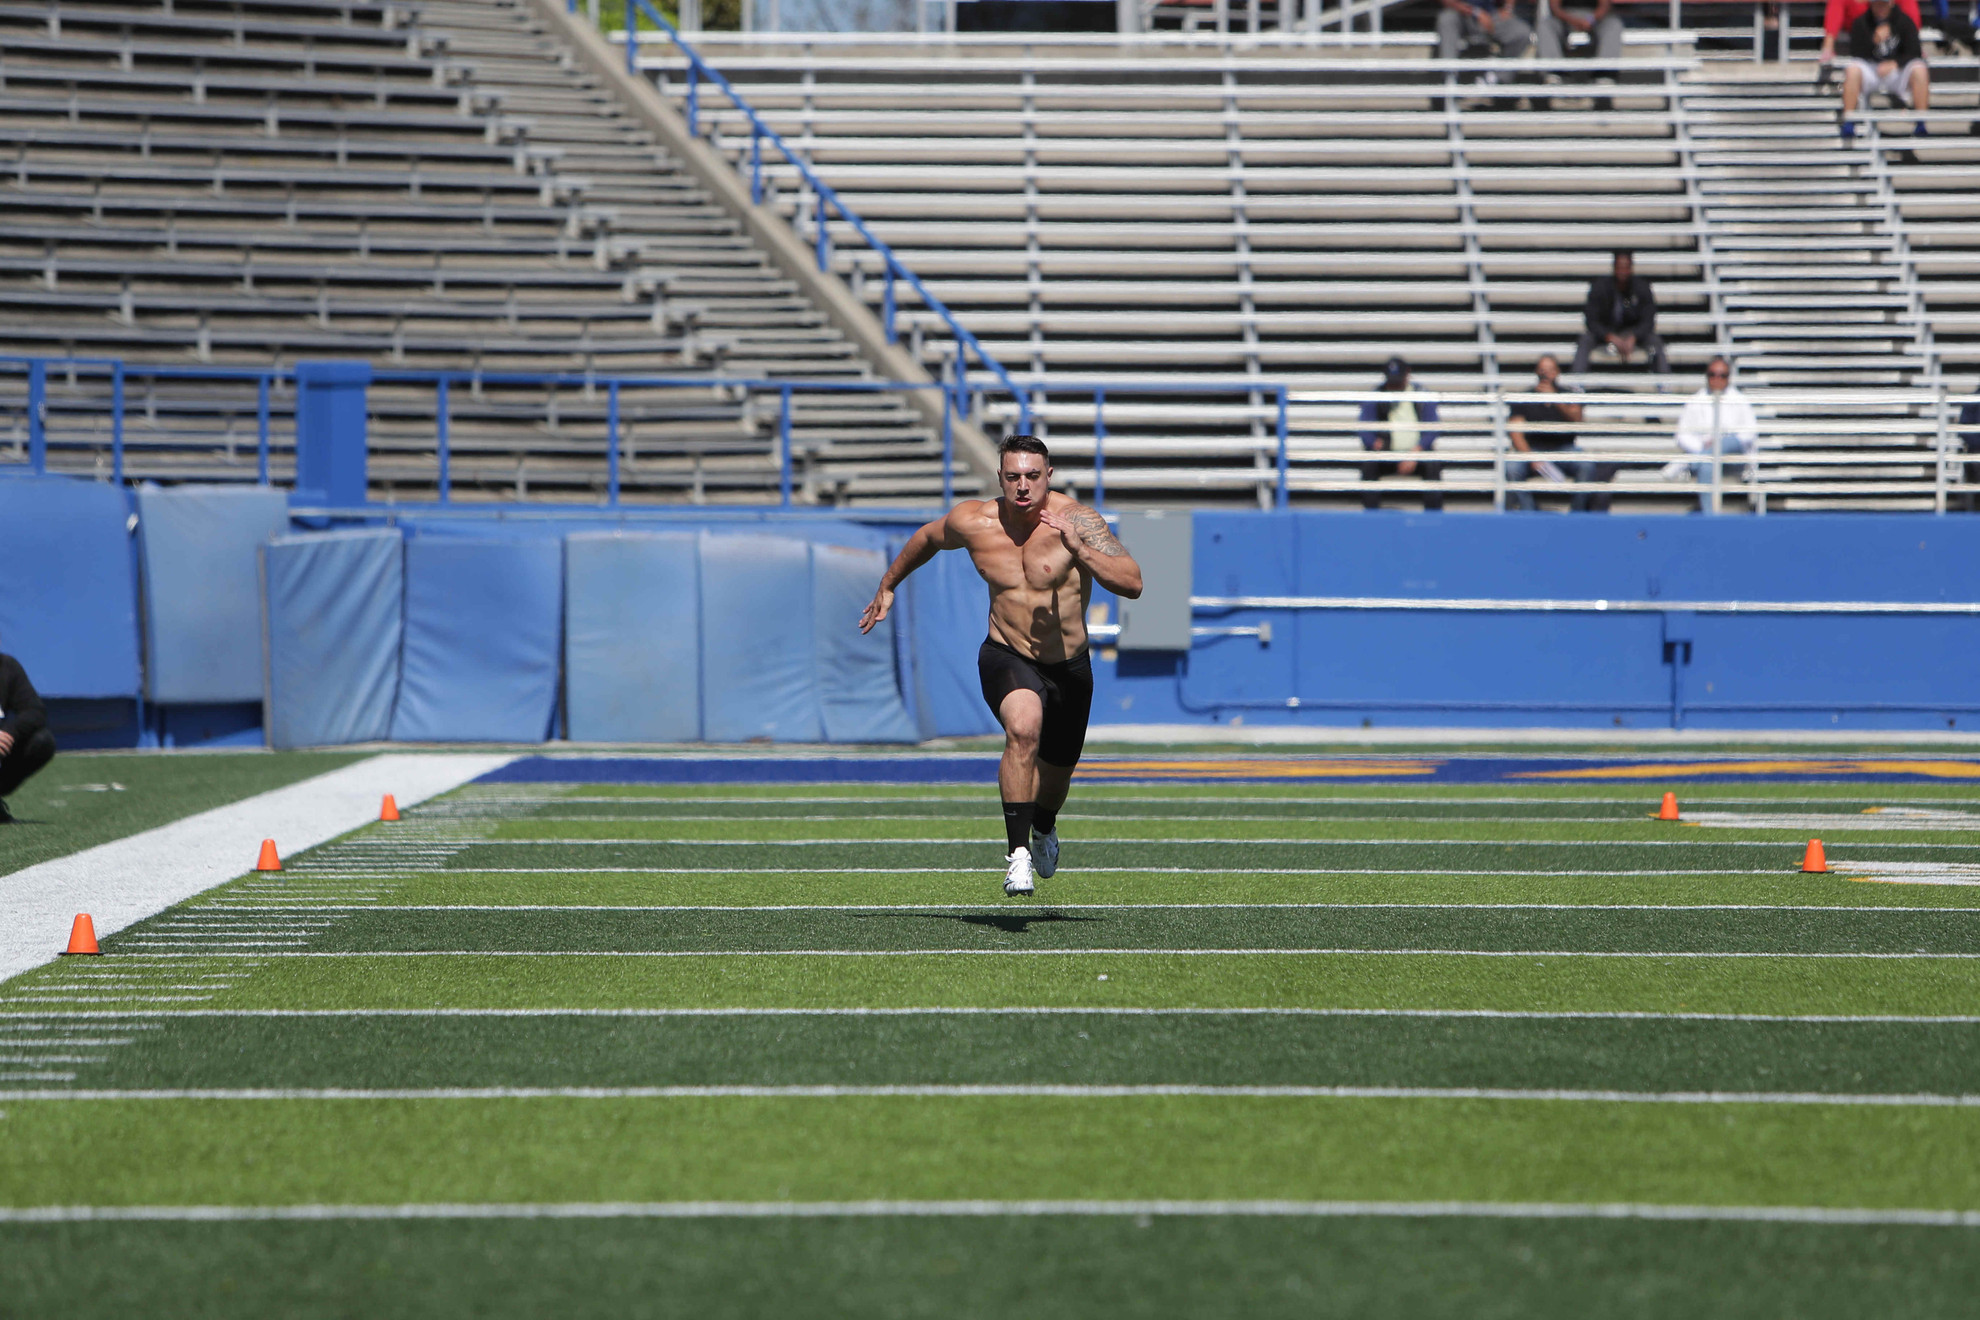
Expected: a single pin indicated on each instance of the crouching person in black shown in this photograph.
(25, 743)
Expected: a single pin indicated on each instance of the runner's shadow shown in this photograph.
(1011, 923)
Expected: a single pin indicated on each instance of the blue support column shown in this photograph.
(331, 420)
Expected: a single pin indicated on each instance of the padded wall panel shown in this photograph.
(483, 624)
(632, 636)
(331, 632)
(950, 613)
(68, 605)
(202, 599)
(758, 664)
(859, 696)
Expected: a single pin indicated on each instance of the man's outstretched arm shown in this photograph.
(1096, 548)
(927, 541)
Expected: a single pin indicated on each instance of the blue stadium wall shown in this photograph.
(141, 616)
(1573, 669)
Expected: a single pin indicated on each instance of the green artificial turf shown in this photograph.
(1134, 1147)
(1639, 1055)
(1049, 1267)
(1145, 980)
(79, 801)
(597, 921)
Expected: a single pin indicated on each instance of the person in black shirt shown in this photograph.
(1620, 312)
(1544, 430)
(25, 743)
(1886, 56)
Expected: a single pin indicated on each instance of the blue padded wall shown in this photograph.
(483, 623)
(202, 600)
(68, 605)
(632, 636)
(859, 695)
(758, 666)
(948, 610)
(331, 632)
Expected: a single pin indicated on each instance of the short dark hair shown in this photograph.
(1023, 444)
(1623, 254)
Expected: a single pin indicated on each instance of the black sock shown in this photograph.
(1042, 820)
(1017, 826)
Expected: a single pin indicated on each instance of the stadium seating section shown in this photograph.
(1190, 221)
(430, 186)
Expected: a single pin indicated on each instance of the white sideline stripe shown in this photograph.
(1007, 909)
(1002, 1091)
(1771, 1214)
(217, 954)
(127, 880)
(127, 1016)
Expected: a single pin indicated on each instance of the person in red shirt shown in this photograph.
(1840, 14)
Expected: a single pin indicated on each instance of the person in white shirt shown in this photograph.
(1716, 421)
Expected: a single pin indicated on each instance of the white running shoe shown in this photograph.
(1017, 874)
(1045, 853)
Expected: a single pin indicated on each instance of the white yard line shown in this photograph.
(271, 955)
(1694, 842)
(1006, 909)
(135, 1019)
(1775, 1214)
(130, 879)
(1002, 1091)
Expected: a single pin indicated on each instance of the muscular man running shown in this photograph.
(1036, 674)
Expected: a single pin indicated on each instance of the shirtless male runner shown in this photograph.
(1036, 674)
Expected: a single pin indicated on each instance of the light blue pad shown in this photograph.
(479, 662)
(632, 636)
(331, 630)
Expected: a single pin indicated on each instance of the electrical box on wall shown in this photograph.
(1159, 540)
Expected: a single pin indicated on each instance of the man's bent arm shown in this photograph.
(927, 541)
(1100, 552)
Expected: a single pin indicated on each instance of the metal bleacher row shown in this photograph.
(1190, 221)
(245, 183)
(1166, 209)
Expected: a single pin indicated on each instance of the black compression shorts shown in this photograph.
(1066, 688)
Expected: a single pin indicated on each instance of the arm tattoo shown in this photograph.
(1093, 530)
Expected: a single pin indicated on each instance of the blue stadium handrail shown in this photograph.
(955, 402)
(826, 199)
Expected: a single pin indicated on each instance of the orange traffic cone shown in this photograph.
(1669, 811)
(270, 859)
(82, 936)
(1813, 862)
(389, 811)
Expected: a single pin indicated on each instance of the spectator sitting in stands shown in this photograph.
(1716, 420)
(1467, 30)
(1885, 55)
(1541, 428)
(1837, 18)
(1405, 417)
(1604, 26)
(25, 743)
(1621, 312)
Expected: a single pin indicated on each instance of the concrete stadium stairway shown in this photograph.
(1816, 288)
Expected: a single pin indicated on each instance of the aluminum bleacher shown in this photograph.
(1168, 209)
(432, 186)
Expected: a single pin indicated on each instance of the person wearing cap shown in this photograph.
(1886, 55)
(1398, 425)
(25, 743)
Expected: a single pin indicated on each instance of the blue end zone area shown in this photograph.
(1315, 770)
